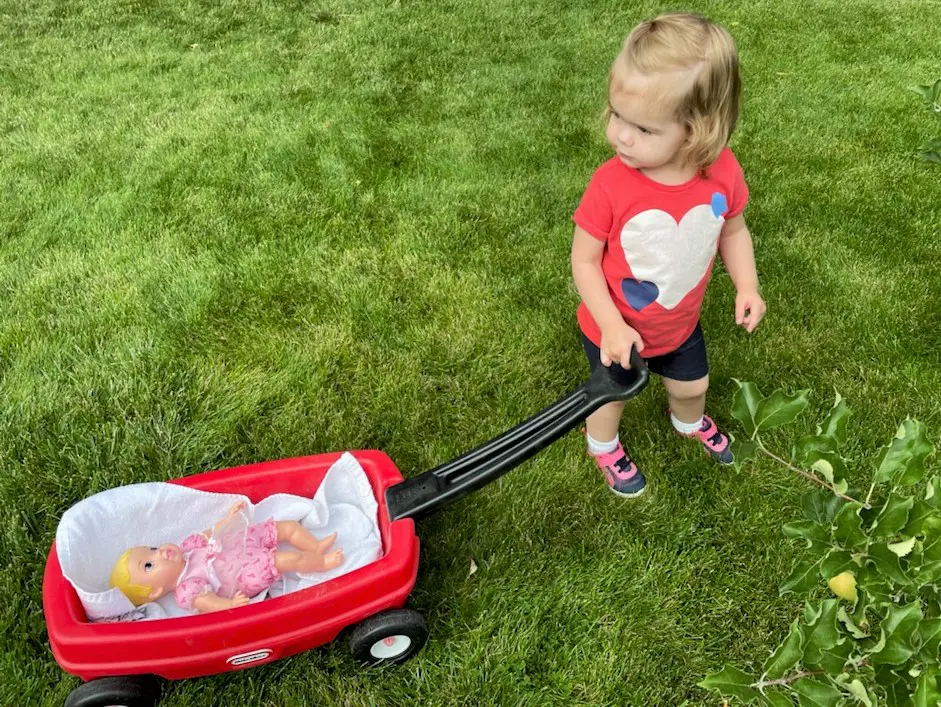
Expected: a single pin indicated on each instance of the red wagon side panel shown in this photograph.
(275, 628)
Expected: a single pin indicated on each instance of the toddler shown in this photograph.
(651, 221)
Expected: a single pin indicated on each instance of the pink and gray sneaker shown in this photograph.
(714, 442)
(621, 473)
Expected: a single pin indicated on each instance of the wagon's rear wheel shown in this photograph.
(390, 637)
(127, 691)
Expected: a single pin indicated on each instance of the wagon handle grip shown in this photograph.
(427, 492)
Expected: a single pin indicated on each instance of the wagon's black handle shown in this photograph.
(427, 492)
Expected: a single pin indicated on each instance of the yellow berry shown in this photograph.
(844, 586)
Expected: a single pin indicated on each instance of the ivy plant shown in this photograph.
(874, 555)
(931, 93)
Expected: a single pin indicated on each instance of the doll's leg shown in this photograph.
(316, 561)
(290, 531)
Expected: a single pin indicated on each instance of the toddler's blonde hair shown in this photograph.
(701, 61)
(121, 578)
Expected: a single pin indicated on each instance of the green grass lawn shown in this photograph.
(233, 232)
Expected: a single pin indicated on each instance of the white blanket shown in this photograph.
(94, 532)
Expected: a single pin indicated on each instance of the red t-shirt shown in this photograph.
(660, 243)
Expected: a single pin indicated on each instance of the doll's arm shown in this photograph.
(208, 602)
(233, 511)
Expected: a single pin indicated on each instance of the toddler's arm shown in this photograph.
(617, 336)
(738, 255)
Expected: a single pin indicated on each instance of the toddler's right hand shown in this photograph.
(616, 344)
(239, 599)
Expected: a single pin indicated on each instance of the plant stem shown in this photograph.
(813, 477)
(761, 684)
(869, 495)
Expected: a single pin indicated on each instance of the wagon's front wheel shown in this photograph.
(390, 637)
(128, 691)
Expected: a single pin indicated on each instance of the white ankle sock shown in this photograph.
(595, 447)
(685, 428)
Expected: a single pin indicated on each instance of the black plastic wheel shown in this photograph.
(390, 637)
(129, 691)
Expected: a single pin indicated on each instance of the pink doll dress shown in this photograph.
(235, 561)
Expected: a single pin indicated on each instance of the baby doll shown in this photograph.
(223, 567)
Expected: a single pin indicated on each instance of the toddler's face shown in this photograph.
(157, 567)
(644, 136)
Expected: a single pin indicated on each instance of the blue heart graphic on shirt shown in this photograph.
(639, 293)
(719, 204)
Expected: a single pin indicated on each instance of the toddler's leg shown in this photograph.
(687, 399)
(602, 424)
(687, 405)
(621, 473)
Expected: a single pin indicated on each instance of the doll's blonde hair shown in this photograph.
(121, 578)
(699, 62)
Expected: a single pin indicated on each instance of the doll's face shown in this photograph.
(156, 567)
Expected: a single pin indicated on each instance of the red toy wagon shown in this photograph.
(122, 662)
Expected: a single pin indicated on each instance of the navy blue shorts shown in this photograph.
(687, 363)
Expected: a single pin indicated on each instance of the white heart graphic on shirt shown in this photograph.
(671, 257)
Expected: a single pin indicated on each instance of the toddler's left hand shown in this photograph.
(749, 309)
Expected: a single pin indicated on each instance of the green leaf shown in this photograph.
(815, 693)
(828, 465)
(811, 444)
(932, 156)
(933, 492)
(820, 506)
(832, 660)
(898, 694)
(903, 547)
(834, 424)
(931, 548)
(821, 632)
(836, 561)
(846, 527)
(887, 562)
(731, 682)
(919, 517)
(804, 577)
(898, 629)
(778, 699)
(926, 691)
(745, 406)
(902, 461)
(786, 655)
(780, 409)
(893, 516)
(929, 573)
(850, 625)
(806, 529)
(859, 691)
(743, 450)
(929, 636)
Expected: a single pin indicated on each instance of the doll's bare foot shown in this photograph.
(333, 559)
(324, 545)
(319, 562)
(304, 562)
